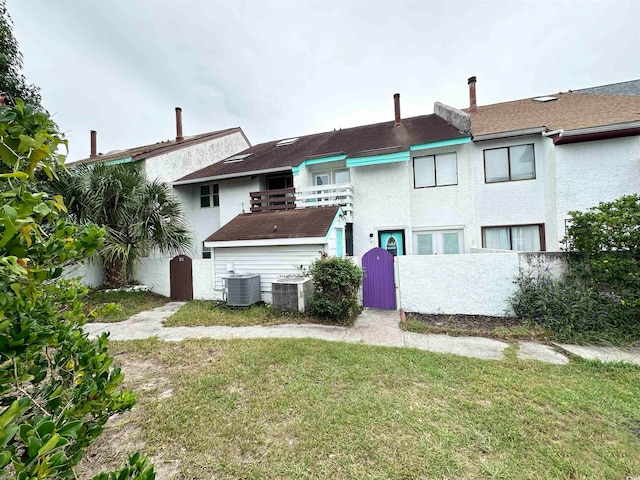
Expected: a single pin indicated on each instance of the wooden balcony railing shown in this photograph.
(272, 200)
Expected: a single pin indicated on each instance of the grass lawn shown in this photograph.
(130, 303)
(285, 408)
(211, 313)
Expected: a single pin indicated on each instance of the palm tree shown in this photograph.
(139, 216)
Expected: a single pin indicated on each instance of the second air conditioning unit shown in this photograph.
(292, 294)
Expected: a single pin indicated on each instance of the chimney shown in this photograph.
(179, 136)
(473, 104)
(94, 144)
(396, 102)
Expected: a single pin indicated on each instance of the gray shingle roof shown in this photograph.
(631, 87)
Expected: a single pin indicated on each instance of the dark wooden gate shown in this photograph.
(181, 277)
(378, 286)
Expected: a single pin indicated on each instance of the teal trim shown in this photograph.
(339, 249)
(378, 159)
(116, 162)
(315, 161)
(333, 225)
(441, 143)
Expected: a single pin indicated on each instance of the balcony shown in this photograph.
(305, 197)
(273, 200)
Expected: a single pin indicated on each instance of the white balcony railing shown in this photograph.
(326, 196)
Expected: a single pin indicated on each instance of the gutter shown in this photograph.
(603, 132)
(511, 133)
(230, 175)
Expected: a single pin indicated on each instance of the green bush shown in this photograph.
(58, 388)
(336, 281)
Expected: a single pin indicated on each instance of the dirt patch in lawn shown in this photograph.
(506, 328)
(121, 437)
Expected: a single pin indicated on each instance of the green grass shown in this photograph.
(284, 408)
(130, 303)
(211, 313)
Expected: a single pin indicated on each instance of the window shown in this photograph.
(435, 170)
(209, 196)
(509, 163)
(206, 251)
(441, 242)
(525, 238)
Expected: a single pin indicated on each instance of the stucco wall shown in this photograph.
(593, 172)
(203, 288)
(469, 284)
(382, 195)
(176, 164)
(91, 273)
(154, 273)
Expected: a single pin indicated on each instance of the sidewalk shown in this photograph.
(373, 327)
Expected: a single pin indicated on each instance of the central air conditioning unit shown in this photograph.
(241, 290)
(292, 293)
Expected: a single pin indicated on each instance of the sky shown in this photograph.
(281, 69)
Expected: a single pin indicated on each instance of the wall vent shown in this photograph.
(292, 294)
(241, 290)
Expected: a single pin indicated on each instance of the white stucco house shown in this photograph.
(171, 159)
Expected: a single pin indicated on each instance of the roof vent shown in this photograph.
(287, 141)
(237, 158)
(545, 99)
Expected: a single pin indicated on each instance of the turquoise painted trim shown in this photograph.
(315, 161)
(378, 159)
(116, 162)
(339, 233)
(333, 224)
(441, 143)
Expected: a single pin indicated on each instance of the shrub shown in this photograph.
(572, 310)
(58, 388)
(336, 281)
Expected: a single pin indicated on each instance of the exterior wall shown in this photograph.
(203, 279)
(446, 207)
(91, 273)
(382, 194)
(593, 172)
(176, 164)
(516, 202)
(271, 262)
(154, 273)
(467, 284)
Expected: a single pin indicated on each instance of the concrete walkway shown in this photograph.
(373, 327)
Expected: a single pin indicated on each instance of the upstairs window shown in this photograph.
(209, 196)
(509, 163)
(435, 170)
(524, 238)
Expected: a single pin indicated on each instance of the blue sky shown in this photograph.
(282, 68)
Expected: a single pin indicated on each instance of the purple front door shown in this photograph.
(378, 286)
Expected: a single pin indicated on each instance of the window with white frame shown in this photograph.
(524, 238)
(206, 251)
(435, 170)
(438, 242)
(509, 163)
(334, 176)
(209, 196)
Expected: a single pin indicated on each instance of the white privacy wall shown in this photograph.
(470, 284)
(91, 273)
(154, 273)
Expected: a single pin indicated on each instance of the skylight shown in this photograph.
(287, 141)
(545, 99)
(237, 158)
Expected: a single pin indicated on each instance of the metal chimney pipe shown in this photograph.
(396, 102)
(94, 144)
(179, 136)
(473, 104)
